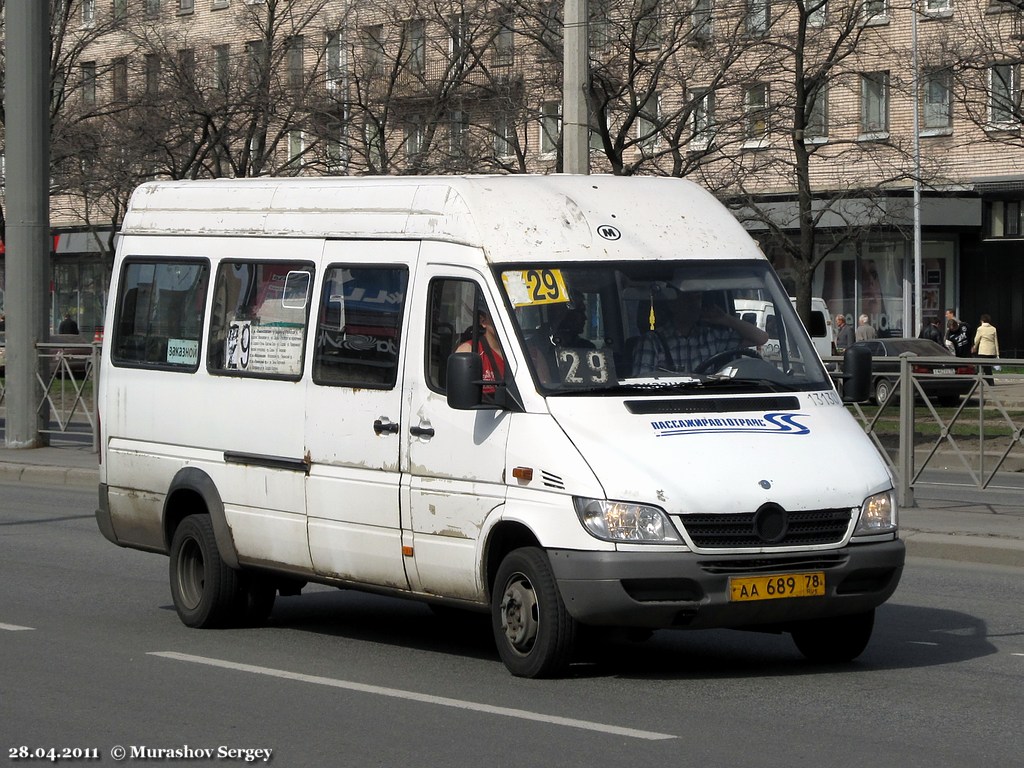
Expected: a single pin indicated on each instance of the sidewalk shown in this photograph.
(948, 529)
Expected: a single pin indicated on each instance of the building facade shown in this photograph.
(834, 128)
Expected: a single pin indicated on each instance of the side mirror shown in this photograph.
(856, 375)
(464, 375)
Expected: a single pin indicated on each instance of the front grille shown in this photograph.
(734, 531)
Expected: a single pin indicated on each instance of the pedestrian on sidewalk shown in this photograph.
(986, 344)
(844, 334)
(865, 330)
(958, 335)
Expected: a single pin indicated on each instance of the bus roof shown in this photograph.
(511, 218)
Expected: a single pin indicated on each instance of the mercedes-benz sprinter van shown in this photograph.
(528, 395)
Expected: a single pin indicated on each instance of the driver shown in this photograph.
(694, 333)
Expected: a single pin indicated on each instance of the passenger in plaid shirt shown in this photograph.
(692, 335)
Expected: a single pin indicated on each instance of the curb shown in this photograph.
(48, 475)
(964, 548)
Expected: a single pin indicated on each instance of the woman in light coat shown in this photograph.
(986, 343)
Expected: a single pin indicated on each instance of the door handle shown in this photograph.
(380, 426)
(421, 431)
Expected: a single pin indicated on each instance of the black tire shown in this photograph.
(204, 589)
(834, 640)
(533, 630)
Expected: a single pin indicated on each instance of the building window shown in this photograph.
(600, 27)
(120, 10)
(119, 79)
(504, 41)
(817, 12)
(296, 147)
(152, 65)
(87, 75)
(332, 61)
(186, 6)
(937, 112)
(373, 49)
(458, 37)
(551, 27)
(416, 40)
(755, 114)
(816, 126)
(758, 17)
(875, 11)
(458, 131)
(217, 4)
(222, 67)
(152, 9)
(938, 7)
(187, 68)
(550, 126)
(874, 103)
(413, 137)
(504, 137)
(1002, 219)
(296, 54)
(703, 15)
(88, 12)
(337, 152)
(648, 123)
(703, 118)
(256, 51)
(1004, 95)
(648, 32)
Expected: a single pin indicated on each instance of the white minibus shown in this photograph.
(526, 395)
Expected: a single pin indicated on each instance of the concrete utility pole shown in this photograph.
(28, 214)
(575, 79)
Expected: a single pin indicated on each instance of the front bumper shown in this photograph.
(657, 590)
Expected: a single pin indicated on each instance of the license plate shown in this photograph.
(944, 371)
(774, 587)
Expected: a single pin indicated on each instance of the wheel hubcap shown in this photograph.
(191, 573)
(519, 615)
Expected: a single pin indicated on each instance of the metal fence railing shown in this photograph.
(65, 395)
(974, 442)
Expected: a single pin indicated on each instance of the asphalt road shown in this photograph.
(93, 657)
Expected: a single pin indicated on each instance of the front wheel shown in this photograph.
(883, 391)
(533, 630)
(834, 640)
(204, 588)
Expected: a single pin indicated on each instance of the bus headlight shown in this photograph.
(877, 514)
(623, 521)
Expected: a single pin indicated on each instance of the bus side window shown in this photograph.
(159, 314)
(359, 327)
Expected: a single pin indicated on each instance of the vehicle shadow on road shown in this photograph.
(905, 637)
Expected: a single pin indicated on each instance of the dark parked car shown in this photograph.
(885, 370)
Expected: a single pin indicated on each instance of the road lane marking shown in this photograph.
(398, 693)
(15, 628)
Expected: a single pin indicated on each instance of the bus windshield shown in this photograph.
(658, 325)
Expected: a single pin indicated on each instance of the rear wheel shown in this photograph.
(533, 630)
(204, 589)
(834, 640)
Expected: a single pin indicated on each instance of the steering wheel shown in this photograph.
(717, 361)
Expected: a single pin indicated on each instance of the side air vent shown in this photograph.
(551, 481)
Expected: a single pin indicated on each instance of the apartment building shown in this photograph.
(800, 114)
